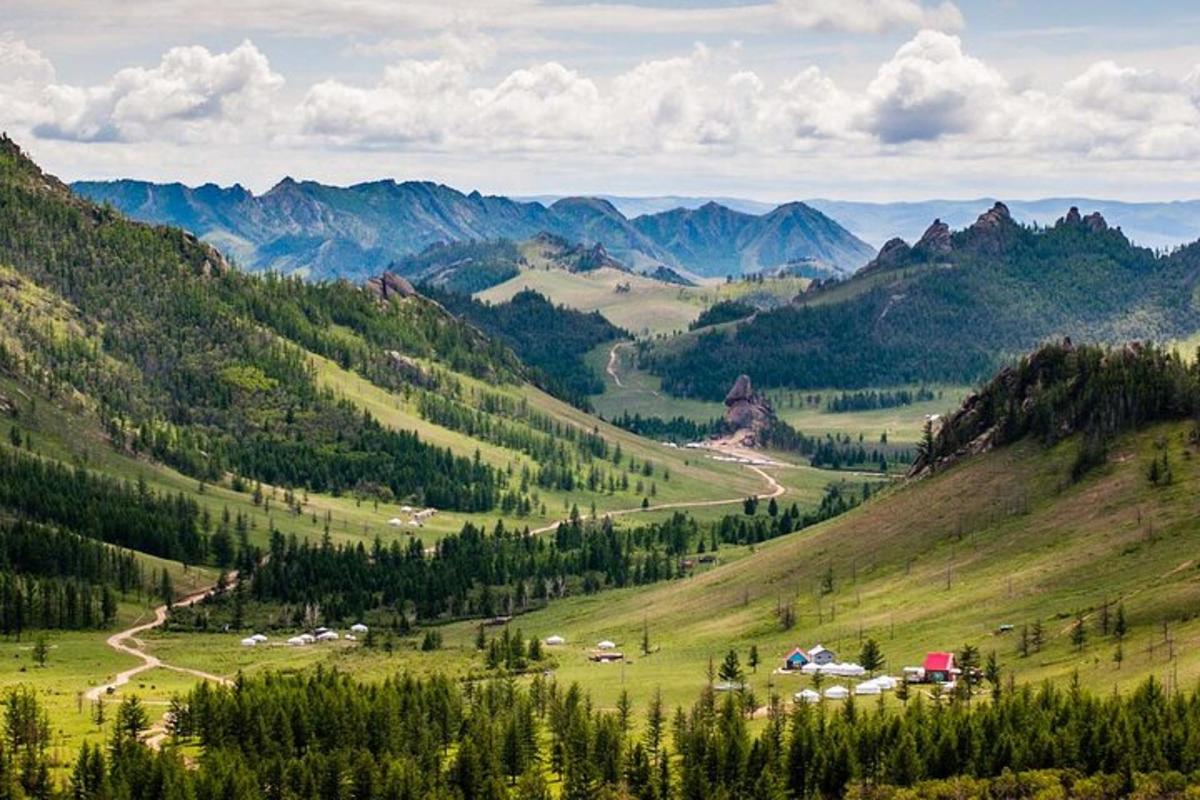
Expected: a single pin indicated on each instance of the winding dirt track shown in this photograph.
(120, 642)
(775, 486)
(611, 369)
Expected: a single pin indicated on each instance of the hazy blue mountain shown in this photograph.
(1154, 225)
(639, 206)
(325, 231)
(357, 231)
(712, 238)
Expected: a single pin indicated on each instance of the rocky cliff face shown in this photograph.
(992, 233)
(389, 285)
(747, 413)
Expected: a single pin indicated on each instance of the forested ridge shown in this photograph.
(205, 367)
(552, 339)
(325, 735)
(1063, 389)
(505, 571)
(951, 313)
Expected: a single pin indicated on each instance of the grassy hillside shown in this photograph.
(649, 307)
(1002, 539)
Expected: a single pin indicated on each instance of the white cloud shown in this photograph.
(21, 64)
(24, 74)
(190, 95)
(707, 111)
(929, 89)
(930, 94)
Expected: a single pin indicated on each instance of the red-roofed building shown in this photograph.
(939, 667)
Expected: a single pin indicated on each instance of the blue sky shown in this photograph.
(771, 99)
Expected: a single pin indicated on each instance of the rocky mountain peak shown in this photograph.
(1072, 217)
(894, 253)
(995, 217)
(936, 239)
(1095, 222)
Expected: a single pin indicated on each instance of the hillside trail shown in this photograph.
(611, 369)
(775, 487)
(126, 641)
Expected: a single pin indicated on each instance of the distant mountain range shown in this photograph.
(356, 231)
(1150, 224)
(1153, 225)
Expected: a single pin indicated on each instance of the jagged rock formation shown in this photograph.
(1094, 222)
(936, 240)
(747, 413)
(990, 235)
(575, 257)
(894, 253)
(389, 285)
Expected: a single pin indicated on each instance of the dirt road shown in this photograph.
(121, 640)
(776, 489)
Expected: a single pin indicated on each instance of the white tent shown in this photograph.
(395, 522)
(358, 627)
(258, 637)
(350, 637)
(327, 636)
(606, 645)
(868, 687)
(555, 640)
(807, 696)
(837, 693)
(810, 669)
(249, 642)
(886, 682)
(843, 670)
(300, 641)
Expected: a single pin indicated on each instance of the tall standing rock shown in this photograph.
(747, 414)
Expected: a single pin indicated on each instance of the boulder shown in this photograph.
(409, 369)
(389, 285)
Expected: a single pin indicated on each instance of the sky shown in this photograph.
(767, 99)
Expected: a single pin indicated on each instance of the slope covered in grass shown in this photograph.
(1003, 538)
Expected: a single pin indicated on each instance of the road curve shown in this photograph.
(120, 642)
(776, 487)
